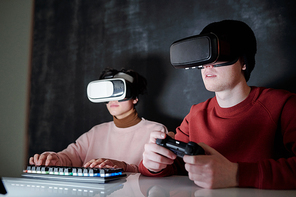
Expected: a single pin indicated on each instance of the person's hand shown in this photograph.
(212, 170)
(105, 163)
(155, 157)
(47, 159)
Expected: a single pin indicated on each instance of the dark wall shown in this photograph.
(74, 40)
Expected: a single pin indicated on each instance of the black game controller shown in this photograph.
(180, 148)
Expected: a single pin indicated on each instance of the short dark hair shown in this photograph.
(241, 38)
(139, 85)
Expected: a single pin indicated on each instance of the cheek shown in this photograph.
(127, 106)
(229, 72)
(202, 75)
(236, 74)
(108, 107)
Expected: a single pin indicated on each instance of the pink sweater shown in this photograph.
(108, 141)
(259, 134)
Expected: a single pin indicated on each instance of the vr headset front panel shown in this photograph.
(106, 90)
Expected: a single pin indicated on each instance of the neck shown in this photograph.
(126, 114)
(230, 98)
(130, 120)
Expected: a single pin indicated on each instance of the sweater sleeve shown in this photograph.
(269, 174)
(74, 154)
(68, 156)
(71, 156)
(275, 173)
(63, 159)
(177, 168)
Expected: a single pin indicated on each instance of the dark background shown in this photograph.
(74, 40)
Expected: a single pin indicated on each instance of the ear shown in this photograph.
(135, 101)
(244, 67)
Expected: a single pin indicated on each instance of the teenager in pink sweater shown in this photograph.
(248, 133)
(119, 143)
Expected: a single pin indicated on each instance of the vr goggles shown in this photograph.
(200, 50)
(105, 90)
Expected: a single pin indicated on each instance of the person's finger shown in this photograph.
(87, 164)
(156, 135)
(52, 160)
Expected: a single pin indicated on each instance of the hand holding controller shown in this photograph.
(180, 148)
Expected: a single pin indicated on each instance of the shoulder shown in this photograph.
(101, 127)
(263, 90)
(275, 101)
(152, 125)
(96, 130)
(206, 105)
(272, 96)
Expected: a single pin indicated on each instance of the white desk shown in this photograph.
(134, 185)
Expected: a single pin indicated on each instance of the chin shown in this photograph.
(214, 88)
(211, 88)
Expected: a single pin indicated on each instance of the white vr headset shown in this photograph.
(105, 90)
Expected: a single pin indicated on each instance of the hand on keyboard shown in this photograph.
(105, 163)
(46, 158)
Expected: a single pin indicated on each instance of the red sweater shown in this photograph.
(259, 134)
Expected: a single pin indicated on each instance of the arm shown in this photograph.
(51, 159)
(268, 174)
(212, 170)
(159, 161)
(280, 172)
(274, 173)
(71, 156)
(216, 171)
(155, 157)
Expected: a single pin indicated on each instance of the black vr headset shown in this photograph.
(197, 51)
(116, 88)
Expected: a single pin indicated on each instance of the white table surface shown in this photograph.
(133, 185)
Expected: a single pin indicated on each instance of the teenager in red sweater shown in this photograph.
(248, 133)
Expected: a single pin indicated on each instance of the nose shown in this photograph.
(109, 102)
(208, 66)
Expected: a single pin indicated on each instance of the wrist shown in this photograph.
(124, 166)
(236, 177)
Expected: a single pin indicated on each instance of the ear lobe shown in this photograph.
(135, 101)
(244, 67)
